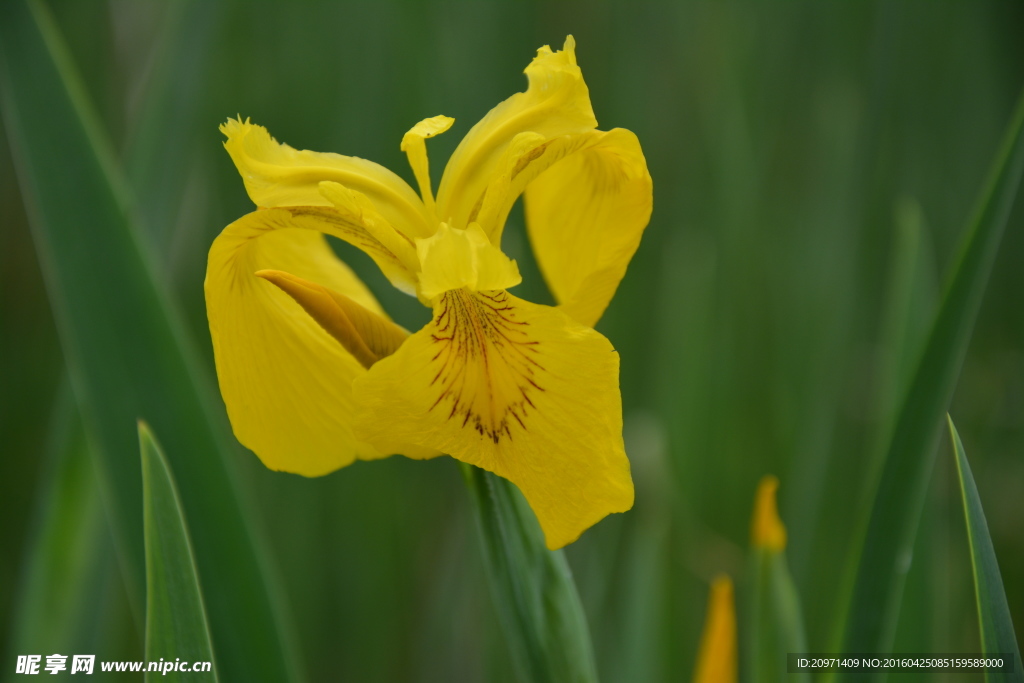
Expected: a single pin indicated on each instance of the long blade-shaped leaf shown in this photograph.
(156, 162)
(65, 562)
(776, 626)
(125, 352)
(175, 618)
(909, 305)
(997, 634)
(889, 534)
(532, 587)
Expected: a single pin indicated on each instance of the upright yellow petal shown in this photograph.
(716, 661)
(278, 175)
(585, 216)
(525, 157)
(556, 103)
(286, 382)
(766, 529)
(516, 388)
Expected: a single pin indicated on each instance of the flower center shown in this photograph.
(462, 259)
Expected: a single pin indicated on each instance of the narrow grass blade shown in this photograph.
(775, 624)
(909, 305)
(156, 162)
(776, 620)
(64, 564)
(536, 598)
(126, 354)
(997, 634)
(888, 535)
(175, 617)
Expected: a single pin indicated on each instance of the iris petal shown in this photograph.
(286, 382)
(585, 216)
(516, 388)
(278, 175)
(556, 103)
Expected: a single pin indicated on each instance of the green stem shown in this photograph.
(532, 586)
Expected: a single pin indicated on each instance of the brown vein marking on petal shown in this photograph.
(529, 158)
(348, 230)
(475, 213)
(487, 366)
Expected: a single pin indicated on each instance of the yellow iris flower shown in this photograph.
(315, 375)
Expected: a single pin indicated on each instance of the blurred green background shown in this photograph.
(802, 153)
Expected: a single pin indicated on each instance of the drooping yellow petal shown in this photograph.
(415, 147)
(278, 175)
(453, 259)
(585, 216)
(516, 388)
(286, 382)
(555, 103)
(364, 334)
(716, 661)
(766, 529)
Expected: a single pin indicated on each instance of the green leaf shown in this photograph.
(997, 634)
(909, 305)
(888, 535)
(532, 587)
(156, 162)
(776, 624)
(124, 347)
(65, 561)
(175, 617)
